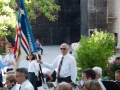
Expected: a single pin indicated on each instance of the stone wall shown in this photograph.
(113, 19)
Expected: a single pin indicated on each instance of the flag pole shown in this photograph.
(25, 43)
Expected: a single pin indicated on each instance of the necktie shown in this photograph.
(19, 87)
(59, 68)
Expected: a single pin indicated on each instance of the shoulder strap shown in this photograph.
(10, 58)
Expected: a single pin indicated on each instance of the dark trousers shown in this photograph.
(1, 79)
(53, 76)
(41, 51)
(64, 79)
(33, 79)
(38, 49)
(9, 69)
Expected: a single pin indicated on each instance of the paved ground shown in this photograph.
(49, 54)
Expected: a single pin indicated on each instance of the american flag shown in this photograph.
(24, 39)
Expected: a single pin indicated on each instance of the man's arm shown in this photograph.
(47, 65)
(73, 70)
(2, 65)
(5, 59)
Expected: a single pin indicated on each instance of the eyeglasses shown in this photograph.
(62, 48)
(18, 75)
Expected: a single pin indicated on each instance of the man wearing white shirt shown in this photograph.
(22, 78)
(9, 58)
(65, 64)
(98, 71)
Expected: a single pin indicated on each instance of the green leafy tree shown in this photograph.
(48, 7)
(34, 8)
(95, 51)
(7, 17)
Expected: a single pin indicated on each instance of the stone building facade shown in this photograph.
(113, 19)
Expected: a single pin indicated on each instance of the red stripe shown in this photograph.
(15, 48)
(16, 42)
(24, 42)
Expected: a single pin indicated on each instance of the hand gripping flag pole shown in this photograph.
(24, 41)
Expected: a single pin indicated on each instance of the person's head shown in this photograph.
(37, 40)
(10, 73)
(98, 71)
(92, 85)
(10, 80)
(1, 88)
(64, 48)
(64, 86)
(88, 74)
(30, 57)
(21, 75)
(117, 75)
(10, 49)
(117, 58)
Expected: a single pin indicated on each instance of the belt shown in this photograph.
(30, 72)
(9, 68)
(65, 79)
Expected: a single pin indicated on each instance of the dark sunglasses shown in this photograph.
(62, 48)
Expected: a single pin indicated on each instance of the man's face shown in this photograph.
(117, 76)
(10, 51)
(84, 78)
(97, 75)
(64, 49)
(19, 78)
(9, 84)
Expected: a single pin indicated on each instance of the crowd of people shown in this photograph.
(62, 70)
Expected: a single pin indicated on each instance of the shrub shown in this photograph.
(112, 67)
(95, 50)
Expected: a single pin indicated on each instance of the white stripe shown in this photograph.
(24, 37)
(25, 41)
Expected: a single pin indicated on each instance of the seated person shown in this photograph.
(11, 83)
(50, 75)
(98, 71)
(87, 74)
(92, 85)
(117, 77)
(63, 86)
(38, 46)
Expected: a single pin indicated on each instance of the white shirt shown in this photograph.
(45, 70)
(16, 87)
(26, 85)
(101, 84)
(1, 58)
(33, 67)
(68, 67)
(9, 58)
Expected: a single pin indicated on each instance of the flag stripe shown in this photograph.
(24, 39)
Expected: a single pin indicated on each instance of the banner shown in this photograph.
(24, 41)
